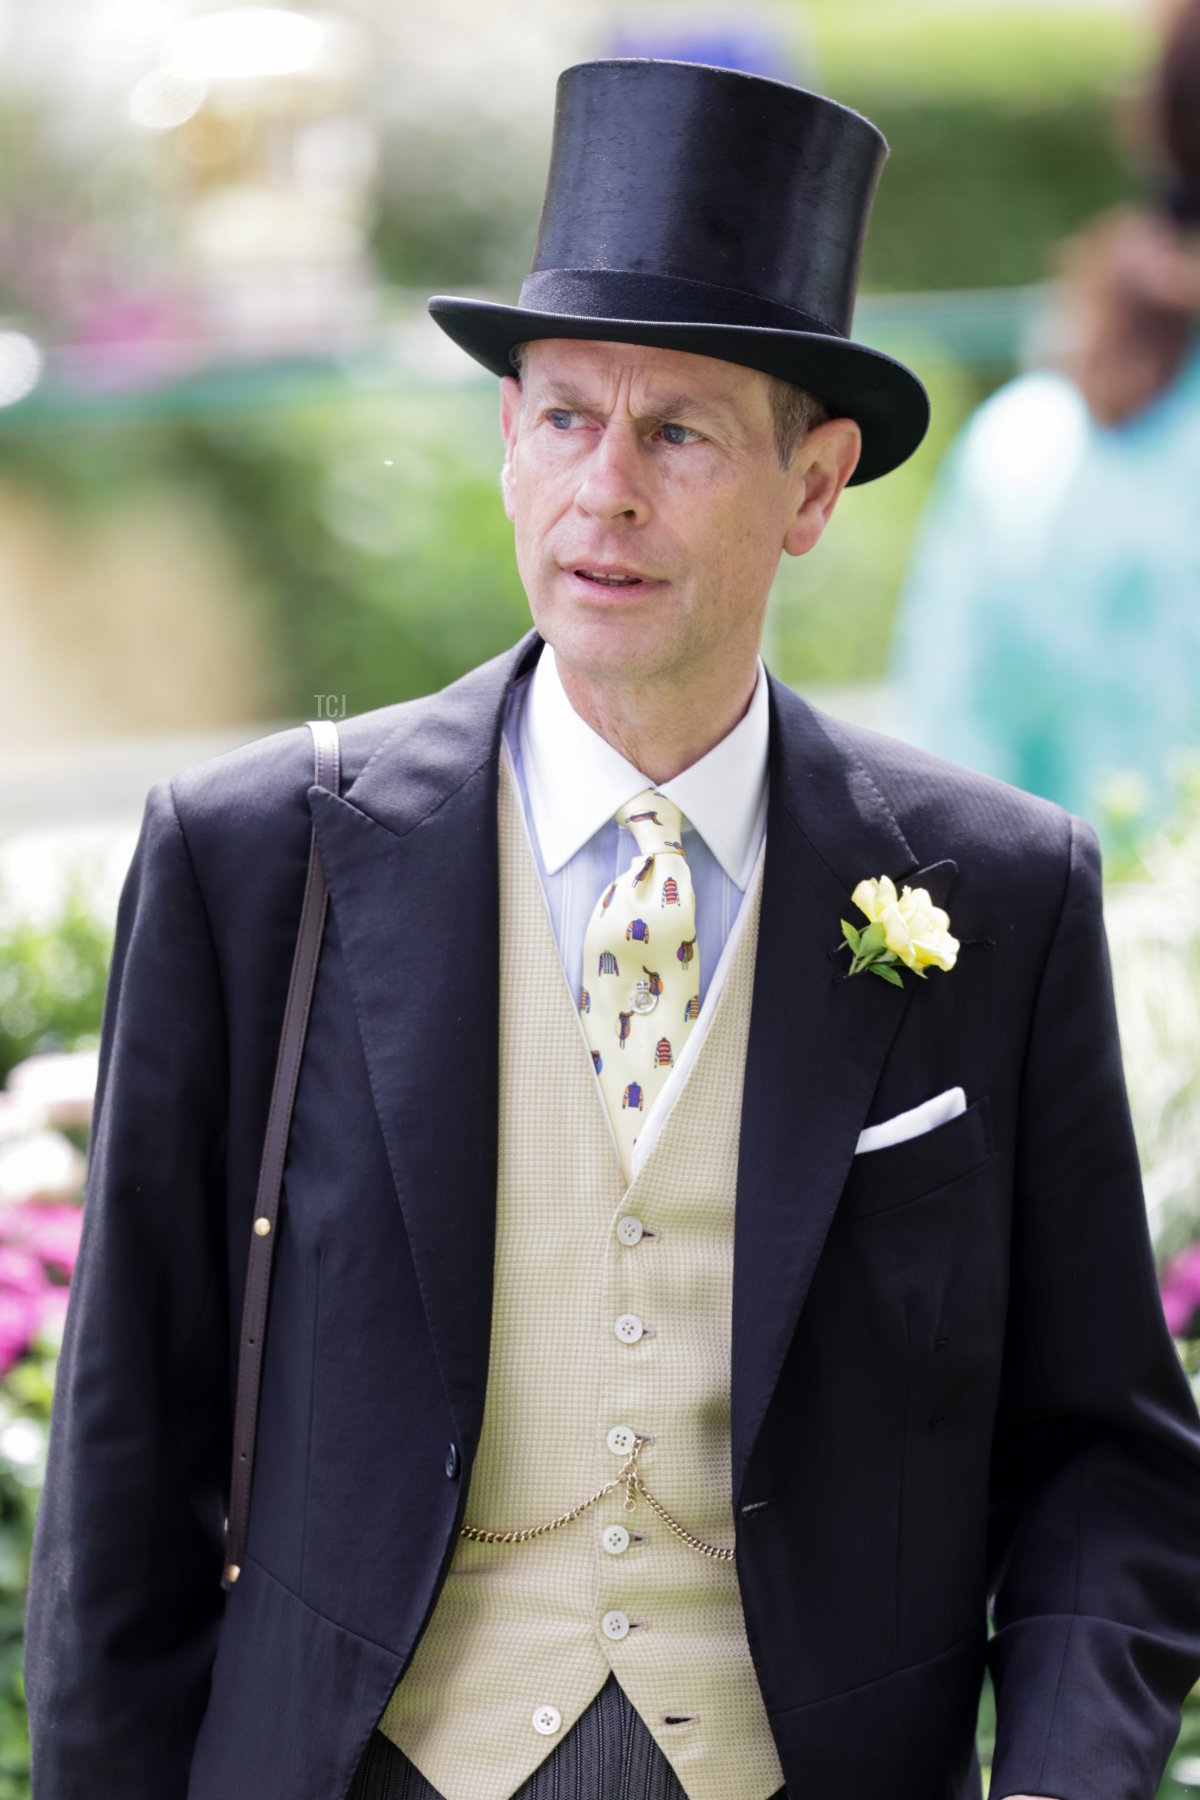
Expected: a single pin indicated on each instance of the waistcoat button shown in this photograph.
(546, 1719)
(615, 1538)
(616, 1626)
(630, 1230)
(621, 1439)
(629, 1328)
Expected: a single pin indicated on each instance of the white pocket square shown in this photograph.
(912, 1123)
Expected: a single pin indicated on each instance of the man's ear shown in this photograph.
(822, 466)
(510, 413)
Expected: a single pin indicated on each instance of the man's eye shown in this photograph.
(678, 434)
(561, 419)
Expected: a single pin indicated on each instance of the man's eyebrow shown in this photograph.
(660, 406)
(557, 394)
(672, 406)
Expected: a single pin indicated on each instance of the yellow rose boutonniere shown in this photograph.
(905, 928)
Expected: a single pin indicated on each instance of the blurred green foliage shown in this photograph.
(831, 611)
(375, 554)
(1000, 53)
(52, 977)
(373, 534)
(1003, 125)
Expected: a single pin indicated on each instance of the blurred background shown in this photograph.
(244, 480)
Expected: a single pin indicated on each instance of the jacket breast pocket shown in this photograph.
(881, 1180)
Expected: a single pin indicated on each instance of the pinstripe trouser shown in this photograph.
(608, 1754)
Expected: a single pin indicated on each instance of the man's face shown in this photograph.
(649, 505)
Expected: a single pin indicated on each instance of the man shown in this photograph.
(679, 1337)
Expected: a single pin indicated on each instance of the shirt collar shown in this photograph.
(576, 780)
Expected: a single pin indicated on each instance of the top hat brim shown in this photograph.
(884, 398)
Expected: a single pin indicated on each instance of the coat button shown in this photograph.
(452, 1461)
(546, 1719)
(616, 1626)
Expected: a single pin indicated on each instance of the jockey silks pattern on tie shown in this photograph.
(641, 973)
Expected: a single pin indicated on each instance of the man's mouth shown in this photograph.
(604, 578)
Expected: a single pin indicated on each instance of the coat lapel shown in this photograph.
(410, 857)
(817, 1039)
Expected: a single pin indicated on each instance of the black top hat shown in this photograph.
(707, 210)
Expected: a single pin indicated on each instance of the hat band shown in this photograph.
(659, 299)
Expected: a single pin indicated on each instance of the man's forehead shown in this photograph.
(572, 362)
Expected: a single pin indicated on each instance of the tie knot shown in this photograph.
(655, 821)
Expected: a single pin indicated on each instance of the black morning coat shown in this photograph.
(953, 1391)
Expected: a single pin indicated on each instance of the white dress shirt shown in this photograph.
(571, 782)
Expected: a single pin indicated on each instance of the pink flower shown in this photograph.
(21, 1272)
(1179, 1285)
(49, 1230)
(18, 1323)
(39, 1243)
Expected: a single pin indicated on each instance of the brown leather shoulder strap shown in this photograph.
(327, 761)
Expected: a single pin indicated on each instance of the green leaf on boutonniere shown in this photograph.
(873, 939)
(887, 974)
(852, 935)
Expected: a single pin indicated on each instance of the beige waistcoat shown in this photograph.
(516, 1631)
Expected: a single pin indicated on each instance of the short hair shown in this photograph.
(794, 411)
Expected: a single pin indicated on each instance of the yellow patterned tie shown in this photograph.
(641, 973)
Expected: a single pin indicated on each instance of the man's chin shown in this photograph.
(611, 646)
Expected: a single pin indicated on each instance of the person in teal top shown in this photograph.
(1049, 630)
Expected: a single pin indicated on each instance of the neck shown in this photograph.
(661, 727)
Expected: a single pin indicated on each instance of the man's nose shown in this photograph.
(613, 481)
